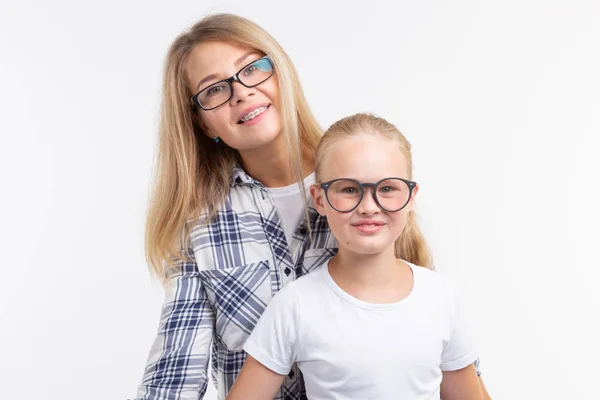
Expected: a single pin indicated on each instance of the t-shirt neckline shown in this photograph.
(364, 304)
(292, 189)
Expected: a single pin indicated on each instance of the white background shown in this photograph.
(501, 101)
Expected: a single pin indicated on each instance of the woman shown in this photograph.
(227, 213)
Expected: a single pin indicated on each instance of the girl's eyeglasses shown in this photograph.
(390, 194)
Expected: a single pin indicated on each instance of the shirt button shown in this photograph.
(303, 231)
(287, 271)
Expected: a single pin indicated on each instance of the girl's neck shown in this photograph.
(270, 164)
(374, 278)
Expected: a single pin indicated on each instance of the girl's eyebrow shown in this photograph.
(236, 63)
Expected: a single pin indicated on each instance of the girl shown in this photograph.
(369, 323)
(227, 226)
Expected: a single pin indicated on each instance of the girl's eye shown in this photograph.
(387, 189)
(349, 190)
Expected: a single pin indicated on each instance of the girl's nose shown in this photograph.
(368, 205)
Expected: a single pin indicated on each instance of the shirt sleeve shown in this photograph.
(178, 361)
(460, 350)
(274, 340)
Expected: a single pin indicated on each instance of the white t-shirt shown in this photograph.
(350, 349)
(290, 205)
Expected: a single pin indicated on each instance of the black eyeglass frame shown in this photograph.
(326, 185)
(234, 78)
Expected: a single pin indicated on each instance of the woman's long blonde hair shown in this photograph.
(192, 171)
(411, 245)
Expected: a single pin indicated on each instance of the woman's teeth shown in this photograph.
(253, 114)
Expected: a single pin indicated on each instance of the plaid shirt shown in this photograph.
(239, 261)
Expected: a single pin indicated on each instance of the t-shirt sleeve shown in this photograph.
(460, 350)
(273, 342)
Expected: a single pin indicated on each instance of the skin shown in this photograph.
(365, 265)
(260, 143)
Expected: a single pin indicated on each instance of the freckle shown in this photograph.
(347, 242)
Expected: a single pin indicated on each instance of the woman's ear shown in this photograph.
(198, 121)
(318, 195)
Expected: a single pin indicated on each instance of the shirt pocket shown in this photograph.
(314, 258)
(238, 295)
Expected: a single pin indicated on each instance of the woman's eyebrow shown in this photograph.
(236, 63)
(242, 58)
(206, 79)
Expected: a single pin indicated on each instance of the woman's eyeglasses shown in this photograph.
(221, 92)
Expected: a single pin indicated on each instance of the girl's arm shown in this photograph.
(255, 382)
(460, 381)
(486, 395)
(271, 349)
(462, 384)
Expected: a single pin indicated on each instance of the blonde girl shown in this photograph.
(371, 322)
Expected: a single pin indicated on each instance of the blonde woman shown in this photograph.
(228, 224)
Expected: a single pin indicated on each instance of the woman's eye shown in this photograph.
(214, 90)
(250, 70)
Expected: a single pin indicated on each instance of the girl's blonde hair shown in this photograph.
(192, 171)
(411, 245)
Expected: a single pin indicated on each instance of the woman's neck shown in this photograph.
(375, 278)
(270, 164)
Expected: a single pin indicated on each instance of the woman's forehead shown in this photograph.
(216, 60)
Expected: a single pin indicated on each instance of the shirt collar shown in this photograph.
(240, 177)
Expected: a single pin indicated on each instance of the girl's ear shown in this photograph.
(411, 204)
(318, 195)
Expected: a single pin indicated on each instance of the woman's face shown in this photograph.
(251, 119)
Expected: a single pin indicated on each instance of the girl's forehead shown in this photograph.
(364, 157)
(366, 146)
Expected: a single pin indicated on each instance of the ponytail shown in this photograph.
(411, 245)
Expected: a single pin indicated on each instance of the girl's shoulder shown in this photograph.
(432, 281)
(307, 283)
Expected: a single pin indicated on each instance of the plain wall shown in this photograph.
(499, 99)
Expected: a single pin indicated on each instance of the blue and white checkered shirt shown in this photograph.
(239, 261)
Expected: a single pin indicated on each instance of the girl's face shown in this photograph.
(251, 118)
(368, 229)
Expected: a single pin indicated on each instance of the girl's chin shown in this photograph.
(367, 249)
